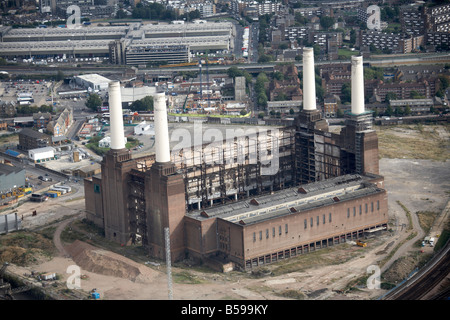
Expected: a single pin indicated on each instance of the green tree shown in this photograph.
(45, 108)
(390, 96)
(346, 93)
(278, 75)
(234, 72)
(265, 58)
(262, 100)
(389, 111)
(144, 104)
(407, 111)
(398, 111)
(59, 75)
(94, 101)
(326, 22)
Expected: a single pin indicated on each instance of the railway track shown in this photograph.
(423, 284)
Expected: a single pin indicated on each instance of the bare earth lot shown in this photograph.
(339, 272)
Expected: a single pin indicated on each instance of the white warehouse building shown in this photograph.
(106, 142)
(144, 128)
(42, 154)
(94, 81)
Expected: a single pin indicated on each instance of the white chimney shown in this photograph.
(116, 114)
(309, 80)
(161, 129)
(357, 85)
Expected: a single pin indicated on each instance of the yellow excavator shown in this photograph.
(361, 243)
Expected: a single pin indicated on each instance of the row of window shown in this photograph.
(280, 231)
(311, 220)
(366, 208)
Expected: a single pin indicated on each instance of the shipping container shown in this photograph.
(57, 189)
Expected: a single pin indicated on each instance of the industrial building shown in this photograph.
(11, 177)
(93, 81)
(134, 44)
(255, 198)
(42, 154)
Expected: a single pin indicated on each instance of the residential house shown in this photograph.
(41, 119)
(61, 124)
(32, 139)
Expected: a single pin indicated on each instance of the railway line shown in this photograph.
(429, 283)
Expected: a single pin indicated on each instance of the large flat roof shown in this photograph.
(290, 201)
(94, 78)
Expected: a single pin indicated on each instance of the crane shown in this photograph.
(187, 95)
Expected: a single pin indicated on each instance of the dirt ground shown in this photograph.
(420, 185)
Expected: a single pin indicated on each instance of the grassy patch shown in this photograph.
(23, 248)
(322, 257)
(186, 278)
(413, 142)
(408, 215)
(443, 238)
(346, 53)
(292, 294)
(426, 219)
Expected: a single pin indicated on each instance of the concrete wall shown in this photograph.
(93, 201)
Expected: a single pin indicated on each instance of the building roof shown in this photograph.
(44, 149)
(94, 78)
(89, 168)
(7, 169)
(42, 115)
(33, 133)
(290, 201)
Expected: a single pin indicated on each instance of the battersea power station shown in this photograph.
(249, 200)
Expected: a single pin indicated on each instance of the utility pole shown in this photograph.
(168, 262)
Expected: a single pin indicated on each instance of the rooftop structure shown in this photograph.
(88, 41)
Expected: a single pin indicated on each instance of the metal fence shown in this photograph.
(10, 222)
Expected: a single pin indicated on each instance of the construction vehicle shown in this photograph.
(26, 190)
(361, 243)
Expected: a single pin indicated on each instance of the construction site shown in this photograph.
(289, 190)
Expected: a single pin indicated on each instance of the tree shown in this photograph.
(262, 100)
(265, 58)
(388, 111)
(346, 93)
(234, 72)
(59, 75)
(390, 96)
(144, 104)
(407, 111)
(121, 14)
(326, 22)
(93, 102)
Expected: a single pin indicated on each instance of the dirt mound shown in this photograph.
(104, 262)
